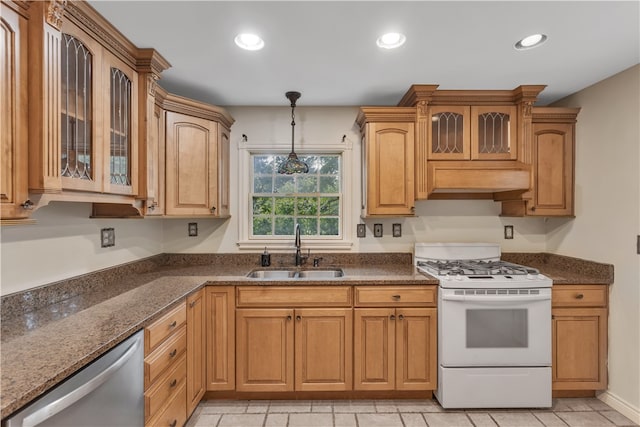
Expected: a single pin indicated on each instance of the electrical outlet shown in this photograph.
(361, 230)
(193, 229)
(107, 237)
(508, 231)
(377, 230)
(397, 230)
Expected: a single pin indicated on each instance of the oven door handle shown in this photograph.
(495, 299)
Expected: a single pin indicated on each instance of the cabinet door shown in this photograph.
(191, 165)
(494, 133)
(13, 114)
(579, 348)
(448, 133)
(222, 208)
(374, 349)
(264, 350)
(120, 132)
(196, 346)
(416, 346)
(390, 168)
(323, 349)
(220, 330)
(553, 159)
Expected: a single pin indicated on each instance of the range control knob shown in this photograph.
(531, 276)
(459, 277)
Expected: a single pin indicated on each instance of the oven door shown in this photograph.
(500, 327)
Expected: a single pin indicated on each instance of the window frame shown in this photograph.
(245, 239)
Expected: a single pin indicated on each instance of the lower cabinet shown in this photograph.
(196, 350)
(579, 322)
(220, 338)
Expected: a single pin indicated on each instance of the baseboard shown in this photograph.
(621, 406)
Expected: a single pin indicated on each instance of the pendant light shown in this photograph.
(293, 164)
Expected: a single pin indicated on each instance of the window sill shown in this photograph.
(288, 245)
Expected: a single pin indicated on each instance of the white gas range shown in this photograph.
(494, 327)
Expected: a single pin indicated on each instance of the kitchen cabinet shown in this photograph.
(196, 350)
(553, 158)
(579, 322)
(220, 340)
(395, 343)
(14, 187)
(165, 369)
(282, 348)
(197, 164)
(388, 139)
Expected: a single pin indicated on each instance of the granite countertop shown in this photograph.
(51, 332)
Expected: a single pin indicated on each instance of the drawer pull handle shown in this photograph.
(174, 423)
(392, 317)
(173, 353)
(173, 383)
(173, 324)
(401, 317)
(192, 304)
(579, 296)
(395, 297)
(298, 318)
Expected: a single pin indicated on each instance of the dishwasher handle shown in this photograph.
(69, 399)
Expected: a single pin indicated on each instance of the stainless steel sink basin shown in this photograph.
(299, 274)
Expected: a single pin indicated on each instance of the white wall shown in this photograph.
(441, 220)
(65, 243)
(608, 216)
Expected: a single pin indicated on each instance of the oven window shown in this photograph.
(497, 328)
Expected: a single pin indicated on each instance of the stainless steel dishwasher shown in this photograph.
(107, 392)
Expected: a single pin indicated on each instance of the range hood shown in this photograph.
(476, 178)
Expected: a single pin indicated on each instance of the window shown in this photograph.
(312, 200)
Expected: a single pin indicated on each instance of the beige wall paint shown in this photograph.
(608, 215)
(65, 243)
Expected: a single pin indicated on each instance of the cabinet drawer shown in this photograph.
(390, 296)
(293, 296)
(164, 388)
(579, 296)
(159, 330)
(164, 356)
(174, 414)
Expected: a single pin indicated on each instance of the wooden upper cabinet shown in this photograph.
(197, 158)
(449, 135)
(13, 114)
(387, 161)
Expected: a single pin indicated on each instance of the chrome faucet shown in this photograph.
(300, 259)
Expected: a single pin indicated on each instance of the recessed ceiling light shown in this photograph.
(391, 40)
(531, 41)
(249, 41)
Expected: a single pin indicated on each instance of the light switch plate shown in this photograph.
(107, 237)
(508, 231)
(361, 230)
(193, 229)
(377, 230)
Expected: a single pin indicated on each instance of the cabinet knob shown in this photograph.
(401, 317)
(579, 296)
(396, 297)
(298, 318)
(173, 383)
(533, 208)
(192, 304)
(392, 317)
(173, 423)
(173, 353)
(27, 204)
(213, 209)
(173, 324)
(289, 317)
(151, 207)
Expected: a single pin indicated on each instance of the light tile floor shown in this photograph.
(398, 413)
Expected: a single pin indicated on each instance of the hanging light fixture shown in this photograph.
(293, 164)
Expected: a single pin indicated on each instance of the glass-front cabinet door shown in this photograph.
(448, 134)
(493, 133)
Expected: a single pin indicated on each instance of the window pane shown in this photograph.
(263, 164)
(285, 206)
(262, 205)
(329, 184)
(262, 226)
(330, 165)
(284, 226)
(329, 226)
(307, 206)
(312, 161)
(284, 185)
(308, 226)
(307, 184)
(263, 184)
(329, 206)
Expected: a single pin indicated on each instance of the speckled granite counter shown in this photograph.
(49, 333)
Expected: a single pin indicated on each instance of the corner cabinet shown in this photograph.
(14, 126)
(553, 158)
(388, 139)
(197, 158)
(579, 333)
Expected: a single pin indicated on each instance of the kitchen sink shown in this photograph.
(299, 274)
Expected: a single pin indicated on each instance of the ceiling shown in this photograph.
(327, 49)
